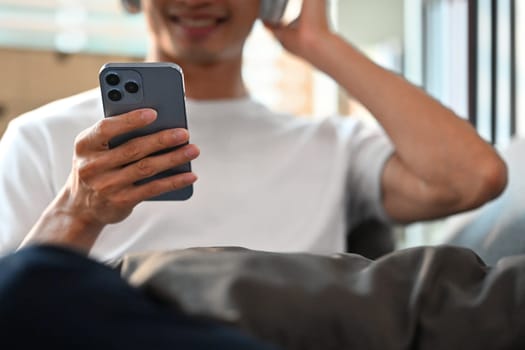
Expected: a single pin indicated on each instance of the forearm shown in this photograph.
(59, 226)
(432, 142)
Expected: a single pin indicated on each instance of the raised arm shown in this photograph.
(440, 165)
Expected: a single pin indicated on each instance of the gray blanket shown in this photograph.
(420, 298)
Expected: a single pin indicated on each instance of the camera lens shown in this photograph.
(131, 87)
(115, 95)
(112, 79)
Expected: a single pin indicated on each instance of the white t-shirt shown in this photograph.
(267, 181)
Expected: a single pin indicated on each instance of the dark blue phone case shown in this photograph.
(161, 87)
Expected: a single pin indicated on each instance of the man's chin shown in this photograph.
(200, 57)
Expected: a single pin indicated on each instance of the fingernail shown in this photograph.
(179, 134)
(148, 115)
(190, 177)
(191, 152)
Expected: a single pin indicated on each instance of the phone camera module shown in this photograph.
(112, 79)
(115, 95)
(131, 87)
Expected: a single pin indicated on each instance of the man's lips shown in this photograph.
(197, 26)
(196, 22)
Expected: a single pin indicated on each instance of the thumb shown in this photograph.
(283, 33)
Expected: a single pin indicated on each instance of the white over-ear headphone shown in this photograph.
(270, 10)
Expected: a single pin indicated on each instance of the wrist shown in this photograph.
(319, 49)
(59, 225)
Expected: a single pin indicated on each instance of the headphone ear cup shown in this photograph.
(131, 6)
(272, 10)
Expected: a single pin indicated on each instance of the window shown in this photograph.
(470, 55)
(495, 49)
(519, 20)
(469, 59)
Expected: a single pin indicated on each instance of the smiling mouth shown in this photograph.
(197, 22)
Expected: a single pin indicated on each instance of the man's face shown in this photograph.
(200, 31)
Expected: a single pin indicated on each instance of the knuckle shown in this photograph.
(102, 128)
(86, 169)
(81, 141)
(163, 139)
(176, 158)
(155, 189)
(176, 183)
(80, 145)
(122, 201)
(158, 187)
(144, 167)
(104, 189)
(130, 119)
(130, 151)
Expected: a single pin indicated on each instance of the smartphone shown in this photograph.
(270, 10)
(157, 85)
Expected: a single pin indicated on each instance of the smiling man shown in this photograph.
(267, 180)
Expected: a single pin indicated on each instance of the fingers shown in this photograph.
(92, 144)
(129, 162)
(140, 193)
(103, 180)
(302, 36)
(117, 204)
(150, 166)
(141, 147)
(118, 186)
(314, 9)
(97, 137)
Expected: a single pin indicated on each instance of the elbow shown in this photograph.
(498, 178)
(490, 181)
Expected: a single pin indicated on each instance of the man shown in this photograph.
(267, 181)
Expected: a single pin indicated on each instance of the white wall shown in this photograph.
(369, 22)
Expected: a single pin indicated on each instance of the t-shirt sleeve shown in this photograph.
(369, 149)
(24, 190)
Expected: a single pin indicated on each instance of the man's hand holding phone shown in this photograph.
(104, 179)
(101, 188)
